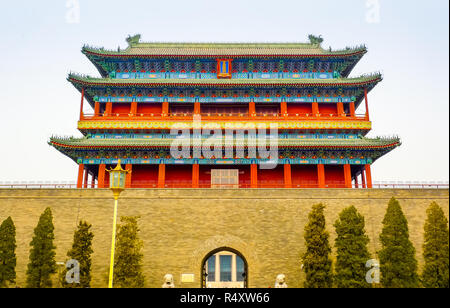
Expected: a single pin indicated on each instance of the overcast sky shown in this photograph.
(407, 41)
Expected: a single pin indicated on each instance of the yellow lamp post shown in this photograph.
(117, 178)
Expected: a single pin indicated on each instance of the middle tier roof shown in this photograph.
(366, 80)
(90, 84)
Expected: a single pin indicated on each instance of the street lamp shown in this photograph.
(117, 178)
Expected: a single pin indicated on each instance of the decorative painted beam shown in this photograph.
(282, 124)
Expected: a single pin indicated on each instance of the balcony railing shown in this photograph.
(207, 184)
(223, 116)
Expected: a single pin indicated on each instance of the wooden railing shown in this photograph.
(261, 184)
(224, 116)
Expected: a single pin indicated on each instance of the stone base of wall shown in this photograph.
(180, 227)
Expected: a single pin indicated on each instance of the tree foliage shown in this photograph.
(42, 253)
(352, 253)
(81, 252)
(398, 264)
(316, 260)
(128, 256)
(436, 249)
(7, 252)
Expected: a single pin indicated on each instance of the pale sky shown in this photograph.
(407, 41)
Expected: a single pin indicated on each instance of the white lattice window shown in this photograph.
(225, 178)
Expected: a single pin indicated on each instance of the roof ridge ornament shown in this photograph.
(133, 40)
(317, 40)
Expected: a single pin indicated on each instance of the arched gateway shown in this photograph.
(224, 268)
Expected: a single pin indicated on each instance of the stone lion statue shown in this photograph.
(280, 283)
(168, 282)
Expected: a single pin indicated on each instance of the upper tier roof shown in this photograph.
(225, 49)
(138, 50)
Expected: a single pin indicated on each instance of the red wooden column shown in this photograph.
(348, 176)
(283, 109)
(108, 109)
(287, 176)
(162, 176)
(128, 167)
(321, 175)
(165, 109)
(82, 102)
(133, 108)
(315, 109)
(80, 176)
(251, 109)
(367, 104)
(195, 175)
(97, 109)
(101, 175)
(86, 176)
(197, 108)
(340, 109)
(368, 176)
(352, 109)
(254, 176)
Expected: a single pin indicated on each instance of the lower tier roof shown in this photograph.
(77, 148)
(96, 143)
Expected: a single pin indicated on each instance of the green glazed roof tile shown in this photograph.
(87, 80)
(224, 49)
(167, 142)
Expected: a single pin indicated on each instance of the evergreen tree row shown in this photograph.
(42, 264)
(354, 266)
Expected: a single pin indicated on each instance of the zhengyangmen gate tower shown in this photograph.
(149, 89)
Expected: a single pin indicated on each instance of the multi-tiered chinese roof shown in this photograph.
(148, 89)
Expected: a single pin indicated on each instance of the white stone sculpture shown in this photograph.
(281, 282)
(168, 282)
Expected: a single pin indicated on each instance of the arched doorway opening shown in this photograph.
(224, 268)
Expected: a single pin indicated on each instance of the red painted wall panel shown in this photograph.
(144, 176)
(334, 176)
(122, 108)
(179, 176)
(294, 108)
(223, 109)
(181, 108)
(326, 109)
(304, 176)
(268, 177)
(267, 109)
(148, 108)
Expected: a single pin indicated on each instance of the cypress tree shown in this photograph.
(398, 264)
(128, 255)
(81, 251)
(7, 252)
(316, 260)
(436, 249)
(352, 253)
(42, 253)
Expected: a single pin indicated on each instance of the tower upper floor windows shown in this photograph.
(226, 68)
